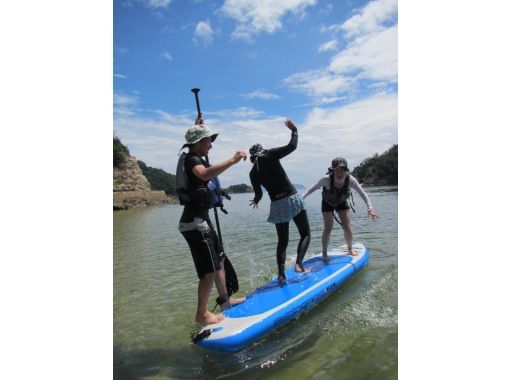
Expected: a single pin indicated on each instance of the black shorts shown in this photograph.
(325, 207)
(206, 250)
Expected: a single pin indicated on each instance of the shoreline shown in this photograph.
(125, 200)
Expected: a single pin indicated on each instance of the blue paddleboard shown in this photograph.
(272, 305)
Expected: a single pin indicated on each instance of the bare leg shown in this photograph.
(204, 290)
(328, 226)
(346, 226)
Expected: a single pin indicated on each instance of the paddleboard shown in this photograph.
(272, 305)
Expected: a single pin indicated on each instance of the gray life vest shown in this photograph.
(210, 196)
(335, 197)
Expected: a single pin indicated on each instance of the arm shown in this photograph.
(291, 146)
(319, 184)
(205, 174)
(355, 184)
(256, 188)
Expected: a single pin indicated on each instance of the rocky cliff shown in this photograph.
(132, 189)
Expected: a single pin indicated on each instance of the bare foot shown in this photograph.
(232, 302)
(325, 257)
(209, 318)
(298, 269)
(353, 252)
(281, 279)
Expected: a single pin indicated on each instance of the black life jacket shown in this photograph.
(335, 197)
(208, 197)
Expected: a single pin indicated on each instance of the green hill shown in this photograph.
(379, 169)
(158, 178)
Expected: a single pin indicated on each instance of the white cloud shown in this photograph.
(355, 131)
(167, 55)
(259, 94)
(371, 18)
(158, 3)
(124, 105)
(254, 17)
(203, 33)
(375, 56)
(117, 75)
(370, 56)
(327, 46)
(318, 83)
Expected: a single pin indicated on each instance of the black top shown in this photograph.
(268, 172)
(193, 209)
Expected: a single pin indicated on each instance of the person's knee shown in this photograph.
(328, 228)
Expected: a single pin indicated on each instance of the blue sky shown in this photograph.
(329, 66)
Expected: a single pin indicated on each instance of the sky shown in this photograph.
(329, 66)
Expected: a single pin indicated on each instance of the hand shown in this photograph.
(254, 204)
(199, 120)
(289, 124)
(238, 155)
(373, 215)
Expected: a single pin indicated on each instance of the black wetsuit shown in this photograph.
(267, 171)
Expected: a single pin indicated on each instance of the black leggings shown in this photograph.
(282, 229)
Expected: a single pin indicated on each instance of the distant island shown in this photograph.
(135, 183)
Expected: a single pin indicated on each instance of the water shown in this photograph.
(350, 335)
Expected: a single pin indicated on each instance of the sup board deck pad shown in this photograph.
(272, 304)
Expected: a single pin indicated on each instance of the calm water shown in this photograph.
(350, 335)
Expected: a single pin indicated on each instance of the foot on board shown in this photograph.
(208, 318)
(232, 302)
(301, 269)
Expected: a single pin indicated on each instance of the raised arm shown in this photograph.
(282, 151)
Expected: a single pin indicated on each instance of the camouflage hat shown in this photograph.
(339, 161)
(197, 133)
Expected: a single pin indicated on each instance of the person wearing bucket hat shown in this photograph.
(286, 203)
(195, 224)
(336, 190)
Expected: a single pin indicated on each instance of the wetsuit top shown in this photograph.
(268, 172)
(353, 183)
(196, 185)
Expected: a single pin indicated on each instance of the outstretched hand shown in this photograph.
(289, 124)
(373, 215)
(239, 155)
(254, 204)
(199, 120)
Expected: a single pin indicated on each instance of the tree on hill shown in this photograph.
(158, 178)
(242, 188)
(379, 169)
(120, 151)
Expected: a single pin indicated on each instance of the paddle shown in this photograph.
(230, 274)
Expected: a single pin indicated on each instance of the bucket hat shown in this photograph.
(339, 161)
(197, 133)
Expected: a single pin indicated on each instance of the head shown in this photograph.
(255, 151)
(199, 139)
(339, 166)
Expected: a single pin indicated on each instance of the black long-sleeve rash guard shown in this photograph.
(268, 172)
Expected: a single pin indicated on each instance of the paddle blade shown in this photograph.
(230, 277)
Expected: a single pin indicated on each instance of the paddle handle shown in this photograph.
(196, 91)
